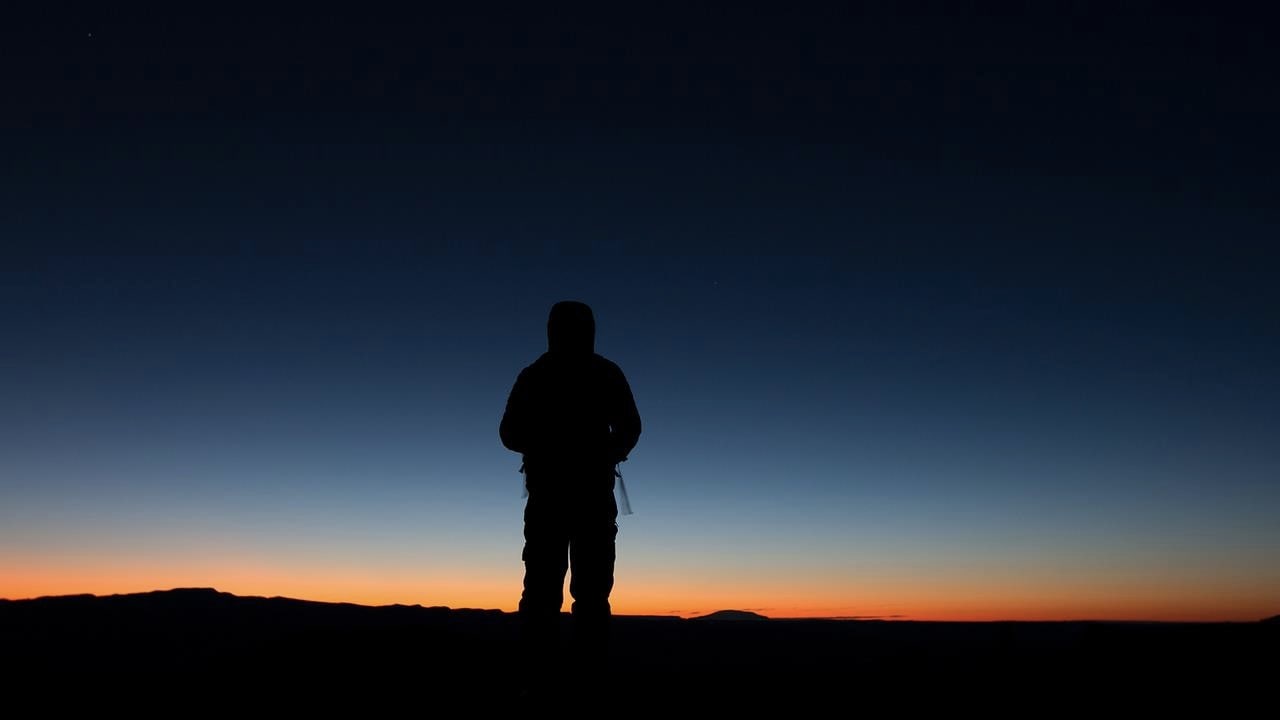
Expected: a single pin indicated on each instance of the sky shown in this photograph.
(943, 316)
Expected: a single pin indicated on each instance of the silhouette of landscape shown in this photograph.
(204, 640)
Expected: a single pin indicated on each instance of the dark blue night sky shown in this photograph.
(944, 316)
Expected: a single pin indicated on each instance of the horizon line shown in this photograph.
(673, 616)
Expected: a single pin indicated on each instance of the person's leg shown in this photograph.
(592, 552)
(546, 559)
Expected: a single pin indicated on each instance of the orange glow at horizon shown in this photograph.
(638, 595)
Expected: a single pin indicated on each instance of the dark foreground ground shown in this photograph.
(207, 649)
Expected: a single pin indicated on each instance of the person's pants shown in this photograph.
(561, 534)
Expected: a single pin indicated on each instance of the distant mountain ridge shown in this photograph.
(733, 616)
(207, 596)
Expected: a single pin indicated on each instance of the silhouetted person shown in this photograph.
(573, 418)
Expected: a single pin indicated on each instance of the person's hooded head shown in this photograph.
(571, 328)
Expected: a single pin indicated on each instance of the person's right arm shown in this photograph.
(514, 429)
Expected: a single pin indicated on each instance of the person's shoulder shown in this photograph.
(606, 365)
(535, 367)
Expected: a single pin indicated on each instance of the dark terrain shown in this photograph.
(200, 643)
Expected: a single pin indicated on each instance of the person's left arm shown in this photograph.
(624, 418)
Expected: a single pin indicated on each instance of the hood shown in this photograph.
(571, 328)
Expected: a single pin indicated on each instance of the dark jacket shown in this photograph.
(571, 413)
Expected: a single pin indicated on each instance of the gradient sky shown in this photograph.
(942, 317)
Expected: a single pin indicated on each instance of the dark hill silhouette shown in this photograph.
(732, 615)
(199, 642)
(1272, 619)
